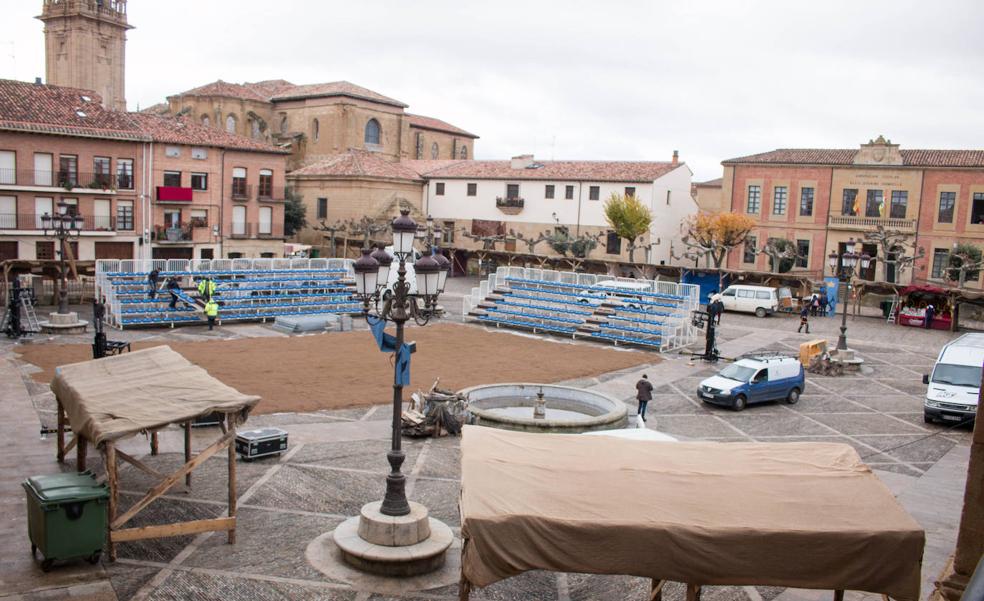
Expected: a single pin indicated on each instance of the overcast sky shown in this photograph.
(586, 80)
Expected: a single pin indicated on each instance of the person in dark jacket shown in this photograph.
(152, 283)
(930, 313)
(644, 394)
(824, 302)
(173, 285)
(804, 320)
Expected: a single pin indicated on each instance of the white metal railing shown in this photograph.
(872, 222)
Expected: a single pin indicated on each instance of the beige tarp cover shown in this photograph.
(806, 515)
(118, 396)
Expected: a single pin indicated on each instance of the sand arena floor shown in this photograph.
(338, 370)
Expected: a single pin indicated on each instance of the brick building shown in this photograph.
(145, 186)
(821, 198)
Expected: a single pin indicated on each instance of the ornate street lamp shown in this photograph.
(847, 262)
(62, 226)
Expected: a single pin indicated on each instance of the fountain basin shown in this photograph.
(569, 410)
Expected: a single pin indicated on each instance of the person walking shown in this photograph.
(804, 320)
(206, 289)
(930, 313)
(824, 301)
(152, 278)
(211, 312)
(644, 394)
(718, 304)
(173, 286)
(814, 304)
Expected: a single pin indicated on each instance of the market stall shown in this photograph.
(913, 301)
(107, 400)
(806, 515)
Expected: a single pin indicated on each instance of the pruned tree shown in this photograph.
(488, 241)
(332, 231)
(782, 254)
(531, 243)
(629, 218)
(712, 236)
(895, 249)
(964, 262)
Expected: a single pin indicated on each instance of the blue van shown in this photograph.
(754, 380)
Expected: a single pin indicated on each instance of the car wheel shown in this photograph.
(927, 419)
(760, 312)
(739, 403)
(794, 395)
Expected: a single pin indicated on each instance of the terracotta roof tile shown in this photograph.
(423, 122)
(227, 90)
(357, 163)
(914, 157)
(595, 171)
(336, 88)
(711, 183)
(179, 130)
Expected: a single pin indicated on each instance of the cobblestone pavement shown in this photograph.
(337, 463)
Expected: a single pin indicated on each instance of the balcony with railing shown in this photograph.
(67, 180)
(181, 234)
(267, 193)
(857, 222)
(242, 230)
(174, 194)
(90, 223)
(510, 205)
(241, 190)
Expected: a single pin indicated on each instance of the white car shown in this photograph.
(951, 394)
(760, 300)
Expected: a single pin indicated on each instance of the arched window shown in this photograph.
(206, 121)
(283, 124)
(315, 130)
(255, 128)
(464, 153)
(373, 132)
(231, 124)
(434, 150)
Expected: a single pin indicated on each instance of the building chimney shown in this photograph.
(523, 161)
(676, 158)
(37, 81)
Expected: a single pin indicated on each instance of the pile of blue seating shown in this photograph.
(242, 295)
(612, 315)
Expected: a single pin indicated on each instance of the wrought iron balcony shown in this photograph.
(510, 202)
(69, 180)
(241, 190)
(90, 223)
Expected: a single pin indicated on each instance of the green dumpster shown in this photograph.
(66, 516)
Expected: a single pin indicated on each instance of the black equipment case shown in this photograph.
(251, 444)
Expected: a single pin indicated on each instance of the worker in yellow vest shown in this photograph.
(206, 289)
(211, 312)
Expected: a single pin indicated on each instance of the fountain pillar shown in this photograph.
(539, 406)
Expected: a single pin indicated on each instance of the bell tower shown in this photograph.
(85, 47)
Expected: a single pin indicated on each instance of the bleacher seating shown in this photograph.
(246, 290)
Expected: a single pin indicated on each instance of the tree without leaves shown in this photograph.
(629, 218)
(713, 236)
(964, 262)
(782, 254)
(488, 242)
(531, 242)
(894, 250)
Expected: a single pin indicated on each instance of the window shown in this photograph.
(44, 251)
(630, 190)
(8, 212)
(322, 208)
(8, 167)
(235, 255)
(940, 258)
(947, 201)
(874, 203)
(231, 124)
(594, 192)
(439, 189)
(172, 179)
(206, 121)
(512, 191)
(548, 192)
(124, 214)
(806, 202)
(199, 181)
(803, 250)
(199, 154)
(101, 172)
(124, 174)
(780, 195)
(238, 220)
(900, 203)
(373, 132)
(746, 294)
(418, 145)
(569, 192)
(754, 199)
(463, 154)
(669, 195)
(266, 220)
(749, 255)
(283, 124)
(472, 189)
(266, 255)
(68, 171)
(762, 294)
(172, 219)
(71, 206)
(266, 183)
(849, 202)
(172, 151)
(315, 130)
(199, 218)
(613, 244)
(255, 128)
(447, 232)
(435, 151)
(101, 219)
(977, 208)
(239, 187)
(43, 169)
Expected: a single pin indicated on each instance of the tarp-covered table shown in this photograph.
(109, 399)
(806, 515)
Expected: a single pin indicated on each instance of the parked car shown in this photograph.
(618, 290)
(760, 300)
(954, 385)
(754, 380)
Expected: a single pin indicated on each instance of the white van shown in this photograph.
(620, 290)
(760, 300)
(955, 382)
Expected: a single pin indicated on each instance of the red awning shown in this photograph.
(174, 194)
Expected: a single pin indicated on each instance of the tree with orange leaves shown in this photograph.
(712, 236)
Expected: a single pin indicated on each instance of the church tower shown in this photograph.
(85, 47)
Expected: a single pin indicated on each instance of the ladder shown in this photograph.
(29, 325)
(894, 311)
(32, 317)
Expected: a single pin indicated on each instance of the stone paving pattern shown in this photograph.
(337, 463)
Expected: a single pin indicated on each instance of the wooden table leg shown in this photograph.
(464, 589)
(80, 452)
(153, 443)
(61, 433)
(187, 437)
(109, 456)
(839, 595)
(656, 593)
(693, 592)
(231, 420)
